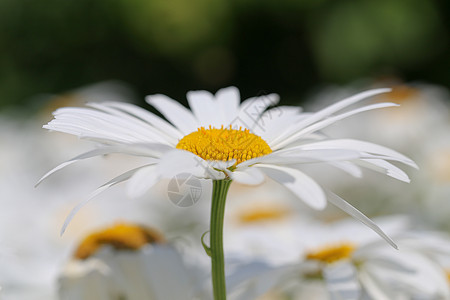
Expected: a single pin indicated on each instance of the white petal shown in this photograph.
(341, 281)
(93, 122)
(251, 280)
(123, 177)
(372, 287)
(150, 150)
(178, 161)
(385, 167)
(315, 117)
(345, 206)
(324, 123)
(176, 113)
(164, 272)
(250, 176)
(228, 101)
(359, 146)
(161, 125)
(319, 155)
(276, 120)
(89, 154)
(427, 279)
(251, 110)
(347, 167)
(297, 182)
(142, 181)
(299, 157)
(202, 104)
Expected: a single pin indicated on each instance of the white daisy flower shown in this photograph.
(128, 261)
(222, 139)
(342, 261)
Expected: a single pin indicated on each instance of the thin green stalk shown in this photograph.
(219, 196)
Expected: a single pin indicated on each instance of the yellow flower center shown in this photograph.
(333, 253)
(224, 144)
(121, 237)
(448, 276)
(262, 214)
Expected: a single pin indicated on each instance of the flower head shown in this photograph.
(347, 263)
(125, 262)
(221, 138)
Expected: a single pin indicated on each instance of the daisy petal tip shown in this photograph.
(62, 231)
(195, 94)
(383, 90)
(230, 89)
(321, 205)
(150, 99)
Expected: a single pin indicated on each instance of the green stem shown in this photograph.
(219, 196)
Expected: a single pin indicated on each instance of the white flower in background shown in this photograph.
(261, 223)
(31, 250)
(341, 261)
(130, 262)
(433, 186)
(221, 139)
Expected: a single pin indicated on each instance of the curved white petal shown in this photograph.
(324, 123)
(151, 150)
(329, 110)
(176, 113)
(121, 178)
(141, 181)
(160, 124)
(250, 176)
(297, 182)
(345, 206)
(106, 123)
(300, 157)
(385, 167)
(358, 145)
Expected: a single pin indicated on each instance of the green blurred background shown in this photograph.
(290, 47)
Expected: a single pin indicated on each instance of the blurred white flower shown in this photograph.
(129, 262)
(341, 261)
(31, 250)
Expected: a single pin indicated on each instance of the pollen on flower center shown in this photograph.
(224, 144)
(333, 253)
(120, 236)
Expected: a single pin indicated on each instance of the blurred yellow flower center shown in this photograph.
(120, 236)
(330, 254)
(440, 165)
(448, 275)
(402, 93)
(224, 144)
(263, 214)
